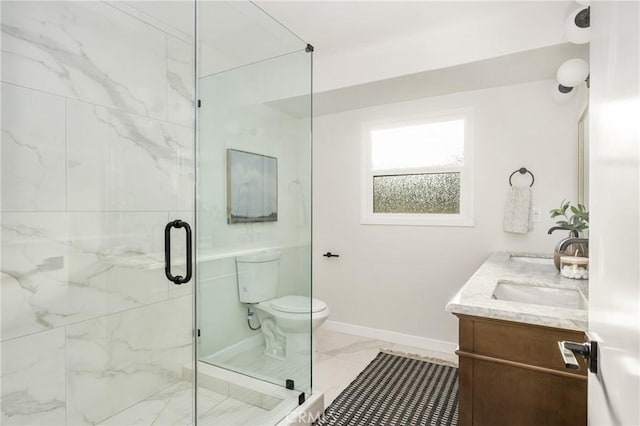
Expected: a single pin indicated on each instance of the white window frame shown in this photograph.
(464, 218)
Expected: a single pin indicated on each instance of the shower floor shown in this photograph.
(224, 398)
(249, 359)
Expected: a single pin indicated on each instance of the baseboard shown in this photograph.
(391, 336)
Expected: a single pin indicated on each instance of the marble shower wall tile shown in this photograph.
(108, 261)
(85, 50)
(33, 150)
(61, 268)
(34, 273)
(180, 81)
(33, 379)
(123, 162)
(118, 360)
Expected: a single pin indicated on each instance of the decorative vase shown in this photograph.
(575, 249)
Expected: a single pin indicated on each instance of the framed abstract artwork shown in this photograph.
(252, 187)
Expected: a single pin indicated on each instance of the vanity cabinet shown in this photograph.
(513, 374)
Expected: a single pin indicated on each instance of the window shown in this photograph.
(418, 172)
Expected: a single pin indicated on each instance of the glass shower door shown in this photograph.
(253, 208)
(97, 157)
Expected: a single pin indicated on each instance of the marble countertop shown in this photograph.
(475, 298)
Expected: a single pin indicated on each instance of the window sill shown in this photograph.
(416, 220)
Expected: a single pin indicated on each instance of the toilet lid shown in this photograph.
(298, 304)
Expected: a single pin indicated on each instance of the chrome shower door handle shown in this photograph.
(178, 279)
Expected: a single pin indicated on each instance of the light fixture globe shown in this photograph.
(562, 94)
(584, 2)
(573, 72)
(577, 26)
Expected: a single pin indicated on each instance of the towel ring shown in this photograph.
(523, 170)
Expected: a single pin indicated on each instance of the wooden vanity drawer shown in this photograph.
(513, 374)
(523, 343)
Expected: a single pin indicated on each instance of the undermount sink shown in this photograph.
(538, 260)
(536, 295)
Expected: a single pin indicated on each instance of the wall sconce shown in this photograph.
(570, 74)
(562, 94)
(573, 72)
(578, 24)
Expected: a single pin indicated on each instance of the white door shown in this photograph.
(614, 308)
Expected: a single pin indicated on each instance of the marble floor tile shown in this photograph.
(171, 407)
(341, 357)
(231, 413)
(333, 374)
(352, 348)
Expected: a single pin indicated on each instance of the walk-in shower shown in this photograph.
(119, 124)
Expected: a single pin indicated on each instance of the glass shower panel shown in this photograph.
(253, 207)
(97, 157)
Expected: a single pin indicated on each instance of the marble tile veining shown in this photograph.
(33, 150)
(88, 51)
(33, 379)
(97, 149)
(58, 268)
(125, 357)
(34, 273)
(475, 297)
(122, 162)
(180, 81)
(231, 412)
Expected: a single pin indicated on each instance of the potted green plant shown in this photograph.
(576, 222)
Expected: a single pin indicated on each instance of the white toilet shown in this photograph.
(285, 321)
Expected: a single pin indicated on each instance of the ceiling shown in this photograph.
(340, 26)
(518, 68)
(365, 50)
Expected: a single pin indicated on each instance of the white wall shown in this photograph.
(399, 278)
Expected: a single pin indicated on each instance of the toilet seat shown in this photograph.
(298, 305)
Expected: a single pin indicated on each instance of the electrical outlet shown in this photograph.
(537, 214)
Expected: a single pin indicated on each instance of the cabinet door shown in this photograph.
(512, 373)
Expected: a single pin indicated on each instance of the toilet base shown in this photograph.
(294, 347)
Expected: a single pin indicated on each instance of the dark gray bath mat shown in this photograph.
(396, 390)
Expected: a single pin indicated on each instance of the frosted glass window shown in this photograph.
(418, 172)
(431, 193)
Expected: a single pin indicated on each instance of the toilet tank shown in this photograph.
(257, 276)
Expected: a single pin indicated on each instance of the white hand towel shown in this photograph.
(517, 213)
